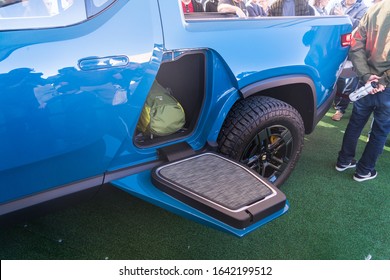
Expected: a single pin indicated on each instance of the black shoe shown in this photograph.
(342, 167)
(369, 176)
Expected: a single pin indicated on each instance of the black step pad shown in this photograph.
(220, 187)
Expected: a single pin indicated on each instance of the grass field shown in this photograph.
(331, 217)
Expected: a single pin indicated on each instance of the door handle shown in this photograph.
(95, 63)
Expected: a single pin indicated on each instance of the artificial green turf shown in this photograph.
(331, 217)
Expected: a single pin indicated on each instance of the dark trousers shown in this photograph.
(379, 104)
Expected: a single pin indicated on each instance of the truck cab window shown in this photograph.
(33, 8)
(96, 6)
(31, 14)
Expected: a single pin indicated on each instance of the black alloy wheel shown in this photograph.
(264, 134)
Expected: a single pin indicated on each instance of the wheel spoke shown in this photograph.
(279, 144)
(287, 137)
(279, 160)
(269, 152)
(270, 170)
(263, 137)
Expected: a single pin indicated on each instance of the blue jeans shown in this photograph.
(379, 104)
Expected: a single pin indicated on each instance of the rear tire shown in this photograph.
(265, 134)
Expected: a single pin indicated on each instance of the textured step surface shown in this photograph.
(216, 179)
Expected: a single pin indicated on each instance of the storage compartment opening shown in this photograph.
(185, 79)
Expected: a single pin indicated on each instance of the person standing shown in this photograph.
(233, 6)
(264, 5)
(254, 9)
(290, 8)
(370, 55)
(320, 7)
(191, 6)
(210, 6)
(355, 9)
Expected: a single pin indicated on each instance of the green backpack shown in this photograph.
(162, 114)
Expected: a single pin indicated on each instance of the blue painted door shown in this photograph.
(70, 95)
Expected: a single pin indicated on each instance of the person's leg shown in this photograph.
(361, 112)
(341, 105)
(369, 132)
(379, 132)
(347, 83)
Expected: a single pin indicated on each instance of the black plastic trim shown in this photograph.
(49, 195)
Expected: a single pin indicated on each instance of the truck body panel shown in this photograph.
(71, 95)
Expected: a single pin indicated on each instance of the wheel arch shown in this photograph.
(297, 90)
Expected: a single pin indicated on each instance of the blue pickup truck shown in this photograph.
(75, 76)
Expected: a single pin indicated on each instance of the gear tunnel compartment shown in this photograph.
(221, 188)
(184, 76)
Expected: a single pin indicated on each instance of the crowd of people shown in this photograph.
(260, 8)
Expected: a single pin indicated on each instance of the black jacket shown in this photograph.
(198, 7)
(211, 6)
